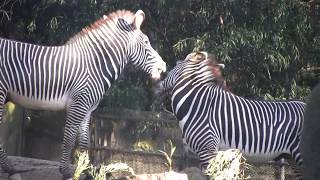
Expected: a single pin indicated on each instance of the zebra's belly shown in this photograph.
(255, 157)
(39, 104)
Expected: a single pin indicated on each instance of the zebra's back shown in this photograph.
(39, 77)
(263, 130)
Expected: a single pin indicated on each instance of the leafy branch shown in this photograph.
(6, 14)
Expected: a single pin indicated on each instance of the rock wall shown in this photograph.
(44, 133)
(310, 144)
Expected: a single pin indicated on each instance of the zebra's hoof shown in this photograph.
(15, 176)
(67, 176)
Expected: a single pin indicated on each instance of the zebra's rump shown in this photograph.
(39, 104)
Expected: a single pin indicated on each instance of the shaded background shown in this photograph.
(271, 50)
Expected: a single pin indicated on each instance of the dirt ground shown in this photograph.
(34, 169)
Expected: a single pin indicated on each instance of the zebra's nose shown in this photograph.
(160, 67)
(164, 67)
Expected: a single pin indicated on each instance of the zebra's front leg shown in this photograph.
(208, 148)
(205, 156)
(76, 113)
(84, 138)
(83, 134)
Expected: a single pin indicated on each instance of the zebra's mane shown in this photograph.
(211, 63)
(113, 17)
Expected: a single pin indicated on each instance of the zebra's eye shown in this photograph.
(146, 42)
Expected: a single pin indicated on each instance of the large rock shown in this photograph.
(34, 169)
(310, 143)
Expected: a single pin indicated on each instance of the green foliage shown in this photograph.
(6, 9)
(270, 48)
(131, 91)
(264, 45)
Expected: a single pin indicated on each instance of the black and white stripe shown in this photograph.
(213, 119)
(76, 75)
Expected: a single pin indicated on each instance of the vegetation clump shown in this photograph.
(229, 164)
(102, 172)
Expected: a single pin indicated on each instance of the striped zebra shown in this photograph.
(74, 76)
(213, 119)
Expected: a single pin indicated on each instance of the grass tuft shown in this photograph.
(82, 163)
(169, 156)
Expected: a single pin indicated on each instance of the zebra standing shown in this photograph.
(213, 119)
(74, 76)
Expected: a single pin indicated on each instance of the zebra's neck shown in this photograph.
(105, 52)
(195, 82)
(193, 75)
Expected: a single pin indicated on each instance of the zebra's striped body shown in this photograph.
(213, 119)
(74, 76)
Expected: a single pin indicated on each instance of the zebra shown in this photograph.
(74, 76)
(212, 118)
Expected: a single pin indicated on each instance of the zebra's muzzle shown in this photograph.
(156, 74)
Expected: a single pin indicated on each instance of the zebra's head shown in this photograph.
(169, 81)
(197, 59)
(140, 52)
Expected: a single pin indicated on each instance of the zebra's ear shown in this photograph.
(189, 56)
(138, 19)
(198, 56)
